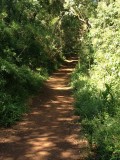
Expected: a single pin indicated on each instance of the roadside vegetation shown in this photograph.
(30, 49)
(96, 82)
(35, 38)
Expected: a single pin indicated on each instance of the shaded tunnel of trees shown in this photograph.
(36, 36)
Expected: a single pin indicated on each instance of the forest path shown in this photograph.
(49, 131)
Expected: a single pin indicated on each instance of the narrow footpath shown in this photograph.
(49, 131)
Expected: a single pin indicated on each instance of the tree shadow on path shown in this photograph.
(49, 131)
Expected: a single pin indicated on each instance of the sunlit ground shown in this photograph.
(49, 131)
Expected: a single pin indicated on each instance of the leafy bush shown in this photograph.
(97, 92)
(11, 109)
(99, 114)
(16, 84)
(30, 48)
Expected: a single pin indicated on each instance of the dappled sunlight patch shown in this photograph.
(49, 131)
(71, 61)
(36, 113)
(83, 142)
(39, 153)
(66, 70)
(11, 139)
(41, 143)
(62, 88)
(43, 153)
(64, 119)
(48, 105)
(66, 154)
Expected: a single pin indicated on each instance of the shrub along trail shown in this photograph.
(49, 131)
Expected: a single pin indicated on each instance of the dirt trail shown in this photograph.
(49, 131)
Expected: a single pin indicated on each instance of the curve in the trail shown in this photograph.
(49, 131)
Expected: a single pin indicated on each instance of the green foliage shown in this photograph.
(16, 85)
(11, 109)
(99, 113)
(97, 89)
(70, 25)
(30, 48)
(35, 36)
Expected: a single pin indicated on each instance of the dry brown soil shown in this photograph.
(49, 131)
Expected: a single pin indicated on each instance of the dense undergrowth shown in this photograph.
(35, 36)
(97, 86)
(30, 49)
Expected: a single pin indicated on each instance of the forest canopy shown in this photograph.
(35, 38)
